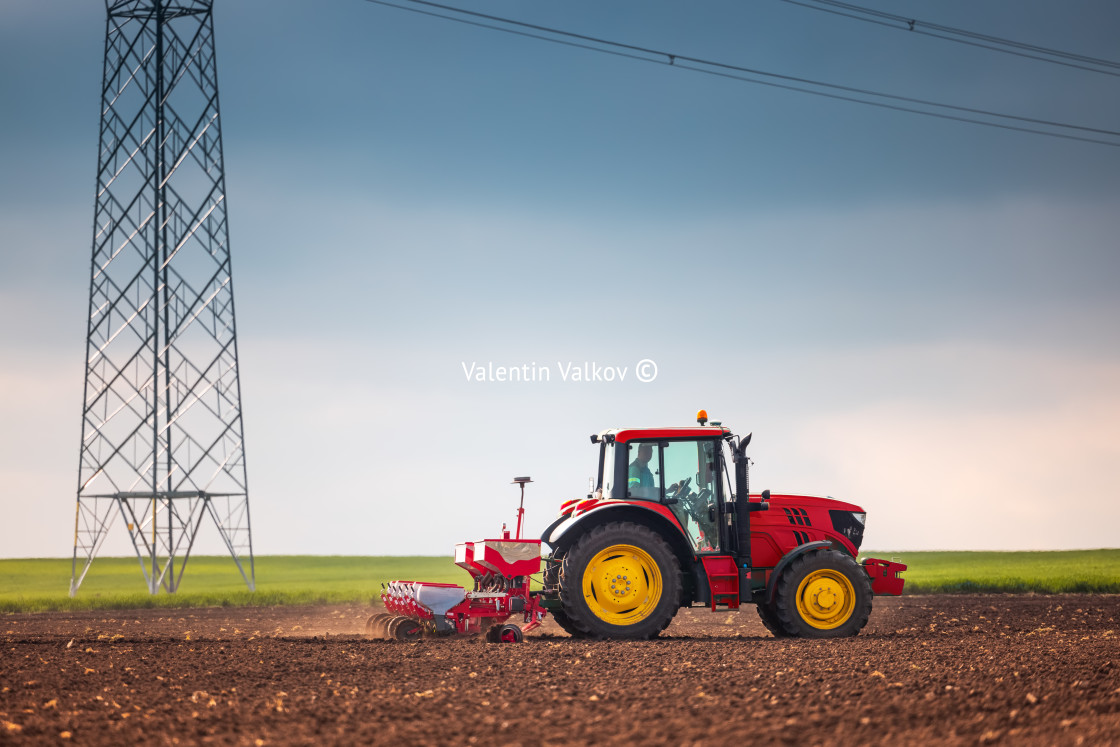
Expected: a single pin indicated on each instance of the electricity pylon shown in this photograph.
(162, 437)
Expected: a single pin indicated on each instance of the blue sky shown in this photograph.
(914, 315)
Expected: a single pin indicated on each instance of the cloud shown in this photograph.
(949, 366)
(1029, 467)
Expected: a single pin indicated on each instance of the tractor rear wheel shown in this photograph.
(552, 581)
(566, 624)
(620, 580)
(823, 594)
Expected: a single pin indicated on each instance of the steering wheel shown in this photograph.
(697, 506)
(682, 489)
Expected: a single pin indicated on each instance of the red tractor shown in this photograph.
(664, 528)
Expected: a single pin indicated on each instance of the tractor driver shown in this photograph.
(640, 484)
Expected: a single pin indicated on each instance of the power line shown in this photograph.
(962, 36)
(775, 80)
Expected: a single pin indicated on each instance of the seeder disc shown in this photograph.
(375, 625)
(405, 629)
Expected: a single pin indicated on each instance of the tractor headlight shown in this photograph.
(850, 524)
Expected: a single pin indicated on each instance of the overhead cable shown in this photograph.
(854, 94)
(962, 36)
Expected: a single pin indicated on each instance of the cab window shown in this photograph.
(644, 471)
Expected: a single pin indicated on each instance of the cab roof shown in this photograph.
(622, 435)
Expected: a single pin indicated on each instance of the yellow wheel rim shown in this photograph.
(826, 599)
(622, 585)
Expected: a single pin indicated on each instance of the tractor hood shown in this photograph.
(790, 500)
(822, 514)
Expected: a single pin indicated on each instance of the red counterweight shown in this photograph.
(884, 577)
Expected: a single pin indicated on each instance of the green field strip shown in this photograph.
(37, 585)
(1041, 572)
(117, 583)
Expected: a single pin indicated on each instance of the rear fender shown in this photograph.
(789, 557)
(653, 515)
(555, 523)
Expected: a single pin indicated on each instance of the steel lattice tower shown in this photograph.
(162, 438)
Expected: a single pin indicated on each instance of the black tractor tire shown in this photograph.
(552, 581)
(769, 617)
(566, 623)
(823, 594)
(627, 550)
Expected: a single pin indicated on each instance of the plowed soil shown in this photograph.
(927, 670)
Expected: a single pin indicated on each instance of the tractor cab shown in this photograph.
(680, 468)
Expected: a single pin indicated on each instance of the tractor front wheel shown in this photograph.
(769, 616)
(822, 594)
(620, 580)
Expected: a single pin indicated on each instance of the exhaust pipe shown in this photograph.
(743, 519)
(743, 509)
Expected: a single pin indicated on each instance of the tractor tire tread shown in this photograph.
(769, 619)
(566, 623)
(552, 580)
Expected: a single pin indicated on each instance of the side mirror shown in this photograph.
(763, 505)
